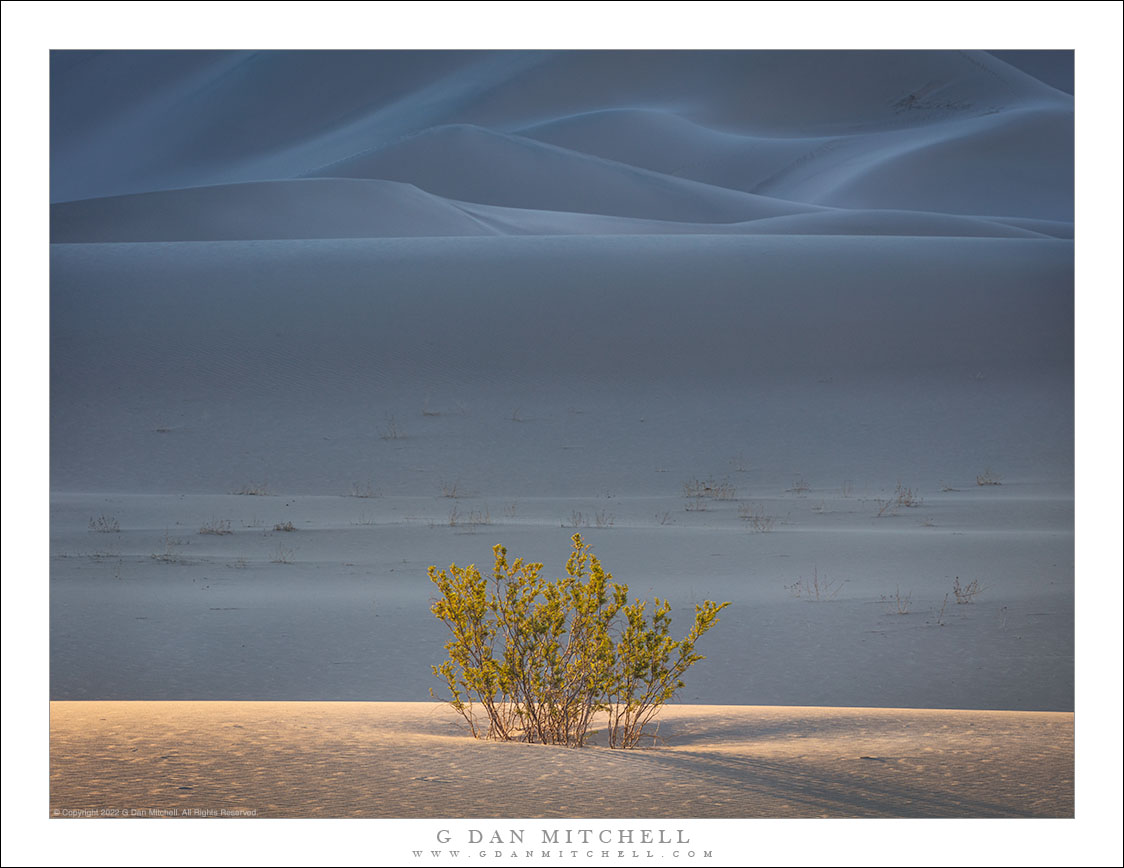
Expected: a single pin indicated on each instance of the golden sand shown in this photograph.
(389, 759)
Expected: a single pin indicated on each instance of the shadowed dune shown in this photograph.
(359, 208)
(678, 136)
(475, 165)
(313, 208)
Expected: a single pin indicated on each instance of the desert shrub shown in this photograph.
(902, 496)
(254, 489)
(898, 603)
(815, 590)
(602, 519)
(966, 593)
(475, 518)
(105, 524)
(363, 489)
(391, 430)
(698, 488)
(218, 527)
(758, 520)
(536, 660)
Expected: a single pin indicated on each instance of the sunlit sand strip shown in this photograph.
(392, 759)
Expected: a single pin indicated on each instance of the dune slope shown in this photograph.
(320, 760)
(312, 208)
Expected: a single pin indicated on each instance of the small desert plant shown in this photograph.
(365, 490)
(540, 659)
(988, 477)
(474, 519)
(898, 603)
(169, 555)
(218, 527)
(698, 488)
(601, 519)
(105, 524)
(479, 517)
(966, 593)
(756, 518)
(285, 526)
(254, 489)
(940, 614)
(817, 590)
(902, 497)
(391, 430)
(907, 497)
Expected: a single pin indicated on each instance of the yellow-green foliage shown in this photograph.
(542, 658)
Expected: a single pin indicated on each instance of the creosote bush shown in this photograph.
(537, 660)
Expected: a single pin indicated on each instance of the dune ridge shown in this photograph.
(715, 137)
(324, 208)
(264, 210)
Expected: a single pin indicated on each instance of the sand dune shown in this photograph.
(136, 121)
(388, 299)
(1013, 164)
(918, 224)
(675, 136)
(476, 165)
(838, 221)
(360, 208)
(666, 142)
(311, 208)
(412, 760)
(991, 162)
